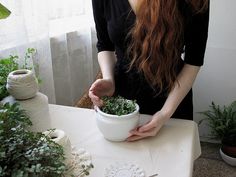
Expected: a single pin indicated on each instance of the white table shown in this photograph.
(170, 154)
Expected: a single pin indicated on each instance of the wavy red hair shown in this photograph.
(157, 38)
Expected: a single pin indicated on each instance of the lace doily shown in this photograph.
(124, 170)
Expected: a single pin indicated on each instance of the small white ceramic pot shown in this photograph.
(22, 84)
(117, 128)
(230, 160)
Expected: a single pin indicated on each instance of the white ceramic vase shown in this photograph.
(22, 84)
(117, 128)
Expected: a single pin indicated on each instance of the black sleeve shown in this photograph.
(104, 43)
(196, 38)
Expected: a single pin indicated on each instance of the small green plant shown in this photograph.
(7, 65)
(221, 120)
(28, 56)
(10, 64)
(118, 106)
(24, 153)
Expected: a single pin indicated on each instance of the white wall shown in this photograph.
(217, 78)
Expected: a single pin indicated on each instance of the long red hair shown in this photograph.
(157, 38)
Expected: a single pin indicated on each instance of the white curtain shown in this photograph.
(62, 32)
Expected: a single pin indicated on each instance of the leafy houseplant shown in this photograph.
(10, 64)
(24, 153)
(118, 106)
(7, 65)
(222, 121)
(117, 118)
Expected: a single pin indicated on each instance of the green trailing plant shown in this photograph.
(10, 64)
(221, 120)
(118, 106)
(24, 153)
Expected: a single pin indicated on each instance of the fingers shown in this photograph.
(137, 135)
(147, 127)
(98, 89)
(93, 96)
(150, 129)
(134, 138)
(95, 85)
(102, 87)
(95, 99)
(151, 132)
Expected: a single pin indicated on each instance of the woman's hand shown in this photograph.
(100, 88)
(150, 129)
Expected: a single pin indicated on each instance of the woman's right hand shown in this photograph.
(100, 88)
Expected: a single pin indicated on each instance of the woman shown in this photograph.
(149, 37)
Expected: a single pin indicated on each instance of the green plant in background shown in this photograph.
(4, 12)
(7, 65)
(10, 64)
(221, 120)
(24, 153)
(28, 56)
(118, 106)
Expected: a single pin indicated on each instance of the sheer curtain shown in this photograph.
(62, 32)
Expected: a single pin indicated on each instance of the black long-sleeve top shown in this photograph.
(114, 19)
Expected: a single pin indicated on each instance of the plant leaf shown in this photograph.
(4, 12)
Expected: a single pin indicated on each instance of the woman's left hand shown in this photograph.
(150, 129)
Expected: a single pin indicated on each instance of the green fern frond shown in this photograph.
(221, 120)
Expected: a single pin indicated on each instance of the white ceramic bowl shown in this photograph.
(117, 128)
(228, 159)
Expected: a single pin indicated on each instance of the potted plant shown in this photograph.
(24, 153)
(10, 64)
(117, 117)
(222, 121)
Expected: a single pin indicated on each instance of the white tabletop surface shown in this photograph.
(169, 154)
